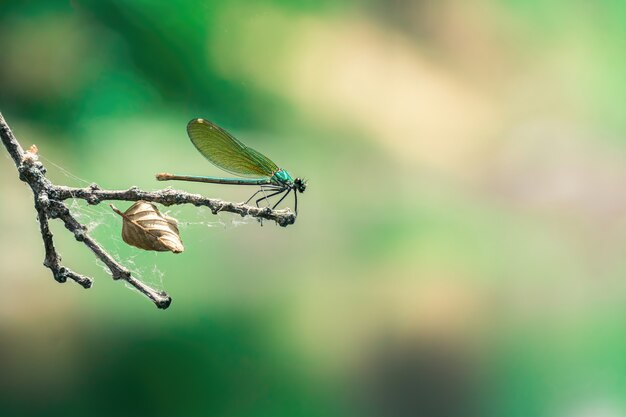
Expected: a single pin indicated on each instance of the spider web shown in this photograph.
(106, 227)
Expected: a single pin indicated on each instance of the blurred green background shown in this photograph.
(459, 250)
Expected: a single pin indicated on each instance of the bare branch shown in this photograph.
(60, 211)
(94, 195)
(12, 145)
(49, 204)
(52, 259)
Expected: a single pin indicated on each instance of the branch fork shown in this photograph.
(49, 204)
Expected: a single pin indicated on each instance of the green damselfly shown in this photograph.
(226, 152)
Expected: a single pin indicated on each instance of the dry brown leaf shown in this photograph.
(146, 228)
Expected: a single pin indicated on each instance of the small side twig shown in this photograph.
(52, 260)
(49, 204)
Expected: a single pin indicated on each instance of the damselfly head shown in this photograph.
(299, 184)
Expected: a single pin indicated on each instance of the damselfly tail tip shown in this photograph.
(163, 176)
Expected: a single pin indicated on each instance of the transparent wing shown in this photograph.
(226, 152)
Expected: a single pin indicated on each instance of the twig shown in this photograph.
(94, 195)
(52, 259)
(49, 204)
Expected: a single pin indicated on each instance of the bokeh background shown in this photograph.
(459, 250)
